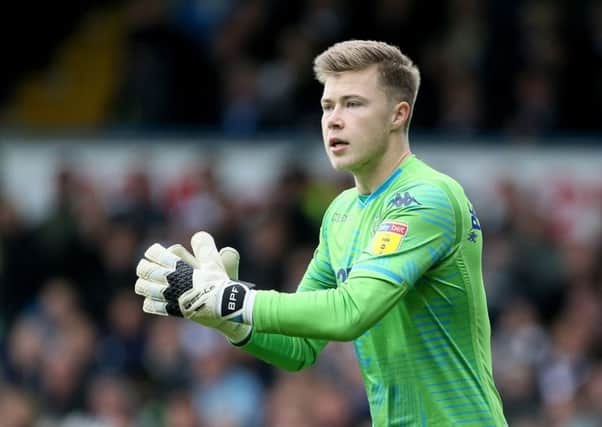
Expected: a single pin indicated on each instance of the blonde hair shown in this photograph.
(397, 73)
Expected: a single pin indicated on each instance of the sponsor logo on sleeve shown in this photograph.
(476, 225)
(388, 237)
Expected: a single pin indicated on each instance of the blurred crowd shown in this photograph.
(77, 350)
(523, 67)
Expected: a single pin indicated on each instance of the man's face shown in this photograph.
(356, 120)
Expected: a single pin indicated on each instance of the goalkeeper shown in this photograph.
(397, 269)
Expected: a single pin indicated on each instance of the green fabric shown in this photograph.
(399, 273)
(289, 353)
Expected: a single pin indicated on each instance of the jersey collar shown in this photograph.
(365, 199)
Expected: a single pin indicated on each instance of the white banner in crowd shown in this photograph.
(567, 180)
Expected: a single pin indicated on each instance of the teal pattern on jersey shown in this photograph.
(429, 326)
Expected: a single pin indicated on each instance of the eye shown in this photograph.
(353, 104)
(326, 107)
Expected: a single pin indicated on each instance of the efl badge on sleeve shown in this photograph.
(388, 237)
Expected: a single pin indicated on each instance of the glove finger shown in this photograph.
(161, 308)
(230, 258)
(161, 256)
(154, 307)
(152, 272)
(150, 289)
(204, 248)
(183, 253)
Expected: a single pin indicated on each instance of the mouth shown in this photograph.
(337, 143)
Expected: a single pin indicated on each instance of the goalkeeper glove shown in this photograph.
(173, 280)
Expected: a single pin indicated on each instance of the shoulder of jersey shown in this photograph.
(345, 195)
(339, 201)
(415, 193)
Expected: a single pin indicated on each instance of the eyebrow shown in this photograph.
(344, 98)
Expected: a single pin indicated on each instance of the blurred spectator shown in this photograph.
(61, 381)
(282, 82)
(303, 400)
(16, 407)
(217, 377)
(122, 348)
(202, 20)
(137, 208)
(170, 79)
(537, 270)
(564, 369)
(118, 257)
(24, 353)
(539, 25)
(324, 20)
(338, 365)
(74, 338)
(180, 412)
(240, 112)
(535, 100)
(109, 403)
(241, 33)
(263, 254)
(296, 264)
(111, 400)
(71, 233)
(460, 104)
(244, 66)
(519, 345)
(164, 358)
(199, 190)
(18, 246)
(588, 412)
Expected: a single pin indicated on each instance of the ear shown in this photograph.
(401, 114)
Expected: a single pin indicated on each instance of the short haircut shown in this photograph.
(397, 73)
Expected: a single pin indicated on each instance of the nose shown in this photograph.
(334, 120)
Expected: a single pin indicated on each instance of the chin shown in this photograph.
(342, 165)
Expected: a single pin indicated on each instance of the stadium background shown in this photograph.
(129, 122)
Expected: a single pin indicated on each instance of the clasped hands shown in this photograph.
(203, 287)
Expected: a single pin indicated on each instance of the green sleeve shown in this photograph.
(296, 353)
(284, 352)
(430, 235)
(376, 282)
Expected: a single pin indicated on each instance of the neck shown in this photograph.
(369, 180)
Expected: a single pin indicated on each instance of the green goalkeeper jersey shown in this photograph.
(399, 273)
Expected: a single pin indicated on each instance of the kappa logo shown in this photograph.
(406, 200)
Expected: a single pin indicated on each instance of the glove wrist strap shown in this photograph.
(237, 303)
(237, 334)
(247, 315)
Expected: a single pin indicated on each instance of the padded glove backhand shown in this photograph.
(174, 282)
(218, 297)
(163, 278)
